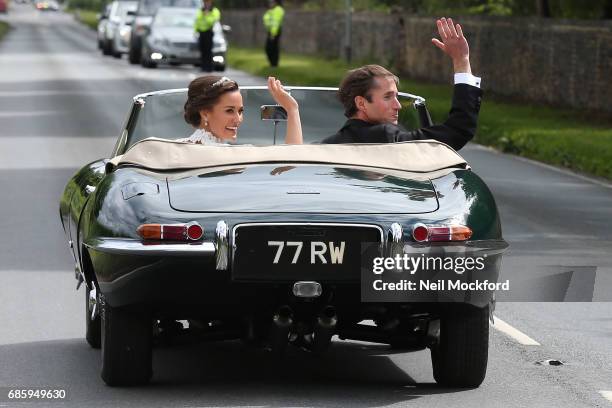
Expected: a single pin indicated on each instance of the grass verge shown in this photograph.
(561, 137)
(87, 17)
(4, 28)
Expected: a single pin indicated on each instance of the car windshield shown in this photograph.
(123, 7)
(149, 7)
(161, 115)
(177, 19)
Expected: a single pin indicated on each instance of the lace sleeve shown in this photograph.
(196, 137)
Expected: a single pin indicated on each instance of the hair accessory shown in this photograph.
(221, 81)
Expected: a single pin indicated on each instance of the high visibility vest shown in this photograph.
(273, 20)
(205, 22)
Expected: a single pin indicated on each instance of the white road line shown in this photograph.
(6, 114)
(52, 152)
(42, 92)
(516, 334)
(607, 395)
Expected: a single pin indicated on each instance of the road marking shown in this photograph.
(20, 94)
(516, 334)
(607, 395)
(52, 152)
(6, 114)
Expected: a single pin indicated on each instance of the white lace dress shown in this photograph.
(201, 136)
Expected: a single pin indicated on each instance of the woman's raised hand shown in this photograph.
(281, 96)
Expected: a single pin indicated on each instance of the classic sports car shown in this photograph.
(278, 244)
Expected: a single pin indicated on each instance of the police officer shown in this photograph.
(273, 21)
(206, 18)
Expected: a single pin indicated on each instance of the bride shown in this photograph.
(214, 107)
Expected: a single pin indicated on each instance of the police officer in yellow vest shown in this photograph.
(206, 18)
(273, 22)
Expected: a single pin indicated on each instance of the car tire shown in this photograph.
(126, 344)
(93, 326)
(135, 52)
(459, 359)
(106, 48)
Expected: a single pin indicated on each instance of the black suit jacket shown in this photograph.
(456, 131)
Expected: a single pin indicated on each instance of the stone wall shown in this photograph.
(560, 62)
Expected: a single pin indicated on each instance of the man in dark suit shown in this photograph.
(369, 96)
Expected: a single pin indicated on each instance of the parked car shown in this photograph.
(121, 39)
(171, 40)
(47, 5)
(3, 6)
(274, 244)
(118, 19)
(143, 16)
(102, 22)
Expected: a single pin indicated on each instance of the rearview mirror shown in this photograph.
(226, 28)
(273, 112)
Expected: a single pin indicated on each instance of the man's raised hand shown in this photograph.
(453, 44)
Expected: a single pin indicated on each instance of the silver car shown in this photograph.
(172, 40)
(102, 22)
(115, 26)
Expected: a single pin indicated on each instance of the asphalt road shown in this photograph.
(62, 104)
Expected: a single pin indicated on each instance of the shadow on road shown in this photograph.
(224, 373)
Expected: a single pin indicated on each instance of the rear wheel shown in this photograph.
(126, 344)
(459, 359)
(92, 326)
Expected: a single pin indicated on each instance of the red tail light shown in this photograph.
(195, 231)
(439, 233)
(171, 232)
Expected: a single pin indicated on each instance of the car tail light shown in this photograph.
(437, 233)
(171, 232)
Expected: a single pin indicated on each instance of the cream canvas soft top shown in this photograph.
(416, 156)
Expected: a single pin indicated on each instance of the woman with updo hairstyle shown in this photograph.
(214, 108)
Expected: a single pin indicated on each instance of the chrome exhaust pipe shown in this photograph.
(281, 325)
(325, 328)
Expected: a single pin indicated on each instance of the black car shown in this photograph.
(282, 244)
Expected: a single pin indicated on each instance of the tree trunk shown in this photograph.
(607, 11)
(543, 8)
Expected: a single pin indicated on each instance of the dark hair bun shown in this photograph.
(203, 93)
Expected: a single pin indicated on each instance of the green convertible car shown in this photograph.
(281, 245)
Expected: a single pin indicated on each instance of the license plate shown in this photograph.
(299, 252)
(315, 252)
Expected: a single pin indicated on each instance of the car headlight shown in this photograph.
(124, 31)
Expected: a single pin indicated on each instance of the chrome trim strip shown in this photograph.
(478, 247)
(397, 232)
(127, 246)
(248, 87)
(222, 246)
(301, 224)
